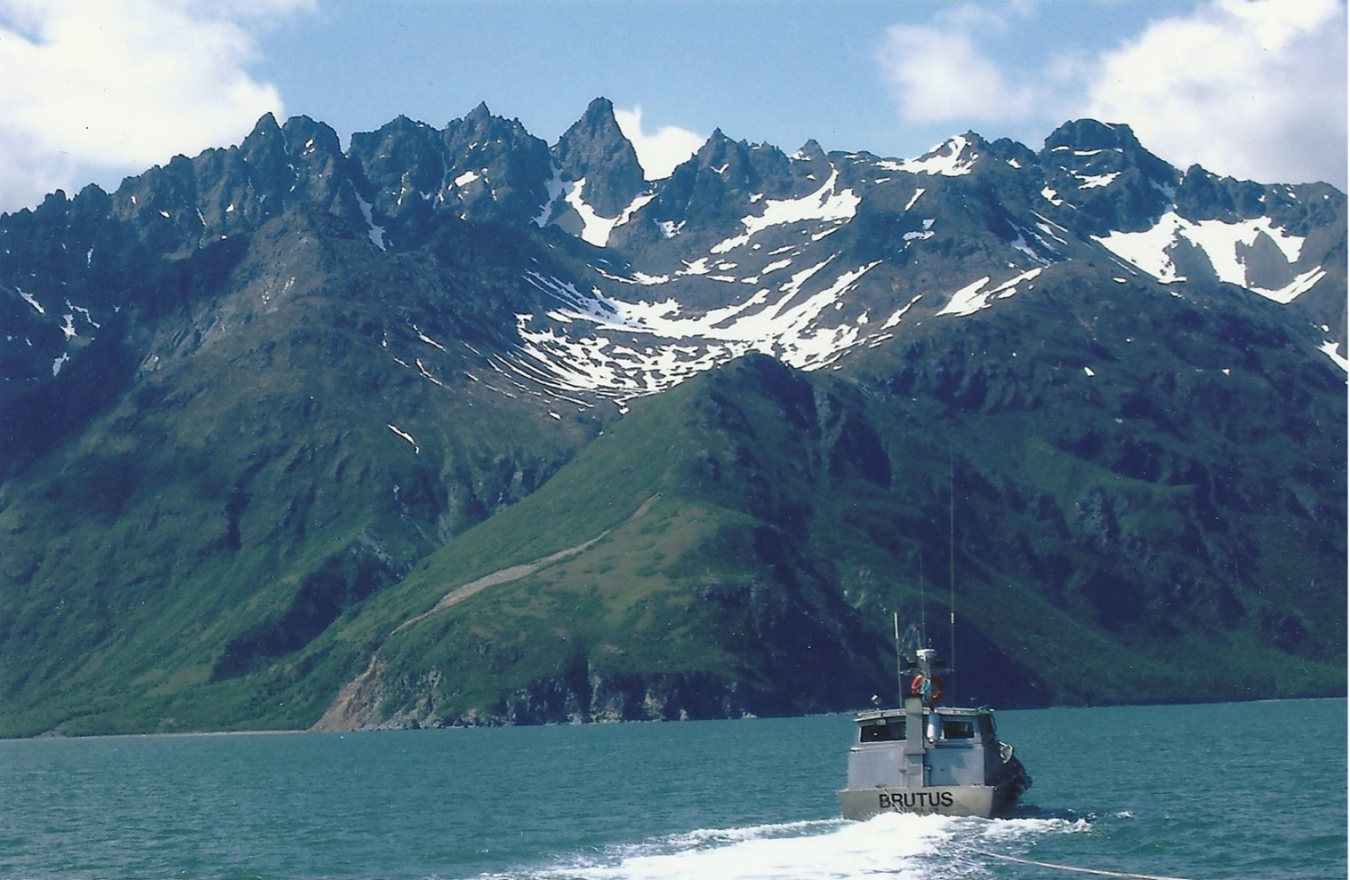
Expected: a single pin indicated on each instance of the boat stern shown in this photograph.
(945, 800)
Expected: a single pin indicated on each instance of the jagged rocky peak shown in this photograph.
(480, 116)
(1201, 195)
(969, 146)
(716, 151)
(322, 171)
(495, 169)
(1105, 177)
(50, 247)
(264, 150)
(714, 184)
(307, 138)
(1086, 146)
(811, 151)
(1089, 135)
(595, 150)
(1013, 153)
(810, 165)
(480, 168)
(954, 157)
(400, 154)
(727, 180)
(189, 203)
(1298, 208)
(742, 168)
(185, 203)
(481, 134)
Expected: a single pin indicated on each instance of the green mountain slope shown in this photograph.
(273, 448)
(738, 545)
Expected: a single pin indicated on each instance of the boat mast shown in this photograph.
(899, 674)
(923, 605)
(951, 583)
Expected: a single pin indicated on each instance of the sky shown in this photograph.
(96, 90)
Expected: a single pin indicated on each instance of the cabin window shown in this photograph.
(957, 729)
(986, 727)
(882, 731)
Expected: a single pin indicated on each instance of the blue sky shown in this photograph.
(92, 91)
(780, 72)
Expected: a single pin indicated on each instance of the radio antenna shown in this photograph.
(923, 605)
(899, 674)
(951, 585)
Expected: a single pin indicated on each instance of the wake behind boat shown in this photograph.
(927, 758)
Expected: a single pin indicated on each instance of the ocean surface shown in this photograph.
(1254, 790)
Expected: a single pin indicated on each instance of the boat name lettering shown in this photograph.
(916, 800)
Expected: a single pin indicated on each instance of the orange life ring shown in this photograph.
(935, 689)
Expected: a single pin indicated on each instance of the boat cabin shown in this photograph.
(948, 746)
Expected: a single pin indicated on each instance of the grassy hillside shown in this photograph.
(740, 544)
(241, 487)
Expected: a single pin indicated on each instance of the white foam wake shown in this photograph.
(771, 852)
(893, 845)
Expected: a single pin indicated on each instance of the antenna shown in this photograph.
(899, 675)
(951, 585)
(923, 604)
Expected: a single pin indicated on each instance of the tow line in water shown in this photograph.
(1094, 871)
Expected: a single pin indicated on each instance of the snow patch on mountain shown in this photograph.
(1092, 181)
(1021, 245)
(596, 229)
(1294, 289)
(556, 189)
(824, 205)
(899, 313)
(636, 278)
(923, 235)
(952, 158)
(417, 450)
(376, 233)
(1152, 250)
(973, 297)
(642, 347)
(89, 319)
(1328, 348)
(28, 298)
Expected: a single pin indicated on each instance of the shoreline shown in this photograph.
(49, 736)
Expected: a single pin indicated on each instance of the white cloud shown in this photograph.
(938, 74)
(123, 84)
(658, 153)
(1249, 88)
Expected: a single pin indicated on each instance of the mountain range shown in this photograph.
(458, 427)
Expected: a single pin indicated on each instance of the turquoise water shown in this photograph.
(1254, 790)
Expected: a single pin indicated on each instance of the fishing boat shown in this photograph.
(924, 757)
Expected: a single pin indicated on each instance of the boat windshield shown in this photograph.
(882, 730)
(958, 728)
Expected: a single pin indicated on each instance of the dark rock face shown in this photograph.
(574, 699)
(1112, 182)
(595, 150)
(481, 168)
(511, 167)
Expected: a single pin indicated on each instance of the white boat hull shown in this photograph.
(952, 800)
